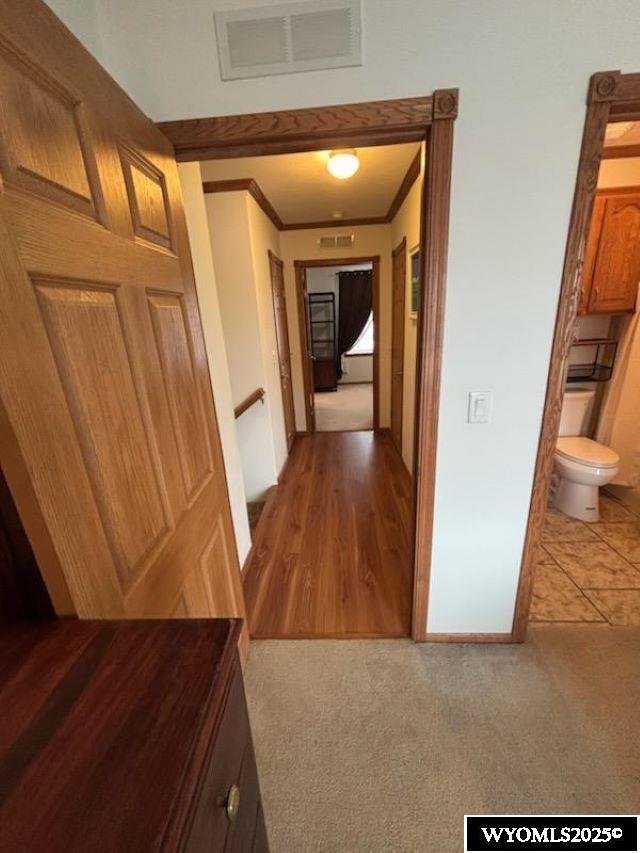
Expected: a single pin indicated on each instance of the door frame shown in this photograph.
(400, 249)
(427, 119)
(612, 96)
(300, 269)
(274, 259)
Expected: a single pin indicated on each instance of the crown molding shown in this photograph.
(253, 188)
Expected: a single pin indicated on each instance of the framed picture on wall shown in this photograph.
(414, 256)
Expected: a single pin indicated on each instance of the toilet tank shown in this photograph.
(575, 405)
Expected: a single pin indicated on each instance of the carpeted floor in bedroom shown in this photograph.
(384, 745)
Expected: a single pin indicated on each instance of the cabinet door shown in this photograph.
(591, 253)
(616, 272)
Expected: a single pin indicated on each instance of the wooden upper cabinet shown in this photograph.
(612, 258)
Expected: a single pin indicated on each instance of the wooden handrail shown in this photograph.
(253, 397)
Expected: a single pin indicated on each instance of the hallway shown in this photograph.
(332, 551)
(349, 407)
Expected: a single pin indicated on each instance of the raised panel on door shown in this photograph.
(107, 425)
(85, 331)
(189, 425)
(61, 168)
(617, 266)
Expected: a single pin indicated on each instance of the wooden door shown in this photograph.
(282, 340)
(616, 270)
(108, 434)
(304, 325)
(397, 341)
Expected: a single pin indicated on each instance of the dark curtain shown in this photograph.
(354, 307)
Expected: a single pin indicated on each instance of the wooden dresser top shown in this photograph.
(104, 728)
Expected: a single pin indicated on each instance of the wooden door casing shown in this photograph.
(108, 429)
(282, 342)
(399, 265)
(304, 326)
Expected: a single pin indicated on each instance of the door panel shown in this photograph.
(397, 343)
(107, 413)
(284, 350)
(617, 265)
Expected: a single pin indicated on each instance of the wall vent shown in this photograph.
(336, 241)
(289, 37)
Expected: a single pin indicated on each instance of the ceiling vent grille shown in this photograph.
(336, 241)
(289, 37)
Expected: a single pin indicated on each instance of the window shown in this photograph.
(364, 344)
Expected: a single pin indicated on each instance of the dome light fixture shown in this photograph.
(343, 164)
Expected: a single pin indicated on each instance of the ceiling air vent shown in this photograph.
(336, 241)
(289, 37)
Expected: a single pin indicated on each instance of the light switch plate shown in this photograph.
(479, 409)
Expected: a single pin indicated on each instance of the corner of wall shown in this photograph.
(202, 258)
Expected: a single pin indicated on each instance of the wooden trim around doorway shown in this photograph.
(612, 96)
(429, 119)
(300, 268)
(309, 129)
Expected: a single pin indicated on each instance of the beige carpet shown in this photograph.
(350, 407)
(384, 745)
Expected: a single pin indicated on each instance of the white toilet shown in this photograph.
(583, 465)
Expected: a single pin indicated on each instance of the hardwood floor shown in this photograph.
(332, 551)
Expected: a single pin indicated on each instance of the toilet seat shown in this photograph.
(587, 452)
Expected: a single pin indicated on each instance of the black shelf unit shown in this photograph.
(322, 322)
(598, 367)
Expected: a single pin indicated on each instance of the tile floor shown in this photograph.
(589, 572)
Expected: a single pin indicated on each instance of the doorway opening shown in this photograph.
(323, 465)
(339, 314)
(581, 559)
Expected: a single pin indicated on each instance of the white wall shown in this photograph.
(357, 369)
(83, 19)
(406, 223)
(302, 245)
(247, 333)
(264, 237)
(198, 227)
(523, 70)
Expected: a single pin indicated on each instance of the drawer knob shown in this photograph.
(233, 803)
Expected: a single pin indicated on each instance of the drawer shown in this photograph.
(231, 763)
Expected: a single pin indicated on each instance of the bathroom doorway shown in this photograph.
(581, 560)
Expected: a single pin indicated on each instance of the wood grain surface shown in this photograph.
(332, 553)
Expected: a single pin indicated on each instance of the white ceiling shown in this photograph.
(623, 133)
(301, 189)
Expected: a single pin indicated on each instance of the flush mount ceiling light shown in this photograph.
(343, 164)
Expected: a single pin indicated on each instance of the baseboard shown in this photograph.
(468, 638)
(330, 636)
